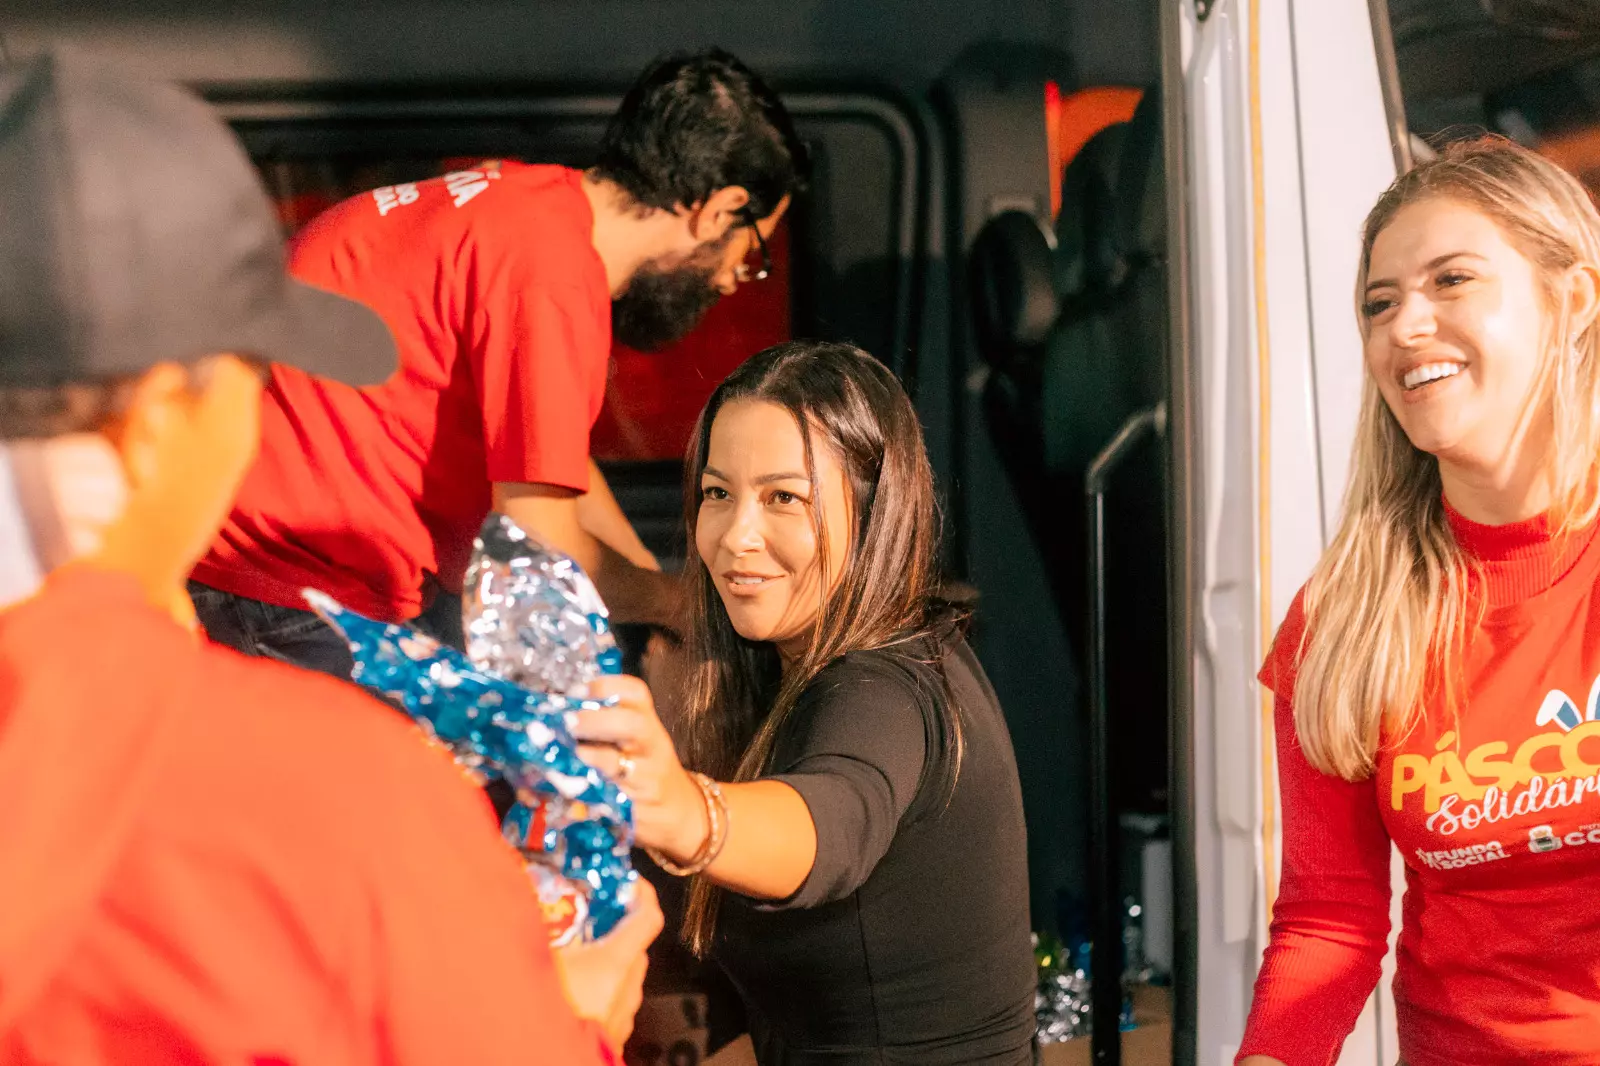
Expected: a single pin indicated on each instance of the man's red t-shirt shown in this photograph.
(207, 858)
(489, 281)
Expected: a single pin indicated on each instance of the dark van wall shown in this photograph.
(908, 42)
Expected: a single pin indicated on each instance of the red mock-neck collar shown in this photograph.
(1519, 560)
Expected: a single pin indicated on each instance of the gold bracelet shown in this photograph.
(716, 833)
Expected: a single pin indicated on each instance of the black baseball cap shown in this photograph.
(135, 232)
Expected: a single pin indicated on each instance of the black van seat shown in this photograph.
(1053, 401)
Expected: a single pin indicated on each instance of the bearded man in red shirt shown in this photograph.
(504, 286)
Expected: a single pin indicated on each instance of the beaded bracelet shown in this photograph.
(716, 834)
(714, 797)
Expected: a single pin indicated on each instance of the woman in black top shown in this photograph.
(854, 826)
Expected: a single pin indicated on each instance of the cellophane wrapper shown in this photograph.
(537, 634)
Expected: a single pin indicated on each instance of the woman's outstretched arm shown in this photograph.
(771, 841)
(815, 828)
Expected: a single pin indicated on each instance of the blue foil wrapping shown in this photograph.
(537, 634)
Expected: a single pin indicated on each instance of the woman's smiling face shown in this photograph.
(1456, 326)
(756, 530)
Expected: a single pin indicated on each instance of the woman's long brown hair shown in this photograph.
(738, 694)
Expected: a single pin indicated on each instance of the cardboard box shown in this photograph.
(1148, 1044)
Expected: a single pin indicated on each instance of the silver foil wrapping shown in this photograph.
(1062, 1001)
(532, 616)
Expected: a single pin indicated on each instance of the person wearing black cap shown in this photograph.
(206, 857)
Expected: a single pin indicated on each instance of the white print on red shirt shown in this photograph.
(465, 184)
(1549, 771)
(1459, 858)
(1542, 838)
(392, 196)
(1497, 806)
(1559, 709)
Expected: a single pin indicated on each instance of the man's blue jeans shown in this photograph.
(301, 638)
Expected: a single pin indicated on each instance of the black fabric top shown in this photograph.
(909, 941)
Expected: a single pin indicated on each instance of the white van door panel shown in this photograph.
(1289, 148)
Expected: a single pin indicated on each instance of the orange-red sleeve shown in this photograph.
(539, 346)
(1330, 923)
(465, 970)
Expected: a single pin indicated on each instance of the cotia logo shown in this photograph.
(1542, 838)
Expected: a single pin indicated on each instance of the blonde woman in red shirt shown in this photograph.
(1438, 678)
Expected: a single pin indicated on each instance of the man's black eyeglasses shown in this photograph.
(742, 271)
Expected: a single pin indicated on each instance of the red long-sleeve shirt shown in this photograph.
(1497, 818)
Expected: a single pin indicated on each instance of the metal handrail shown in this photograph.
(1105, 959)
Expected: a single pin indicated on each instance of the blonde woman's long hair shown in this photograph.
(1388, 605)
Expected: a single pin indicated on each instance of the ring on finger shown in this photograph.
(624, 767)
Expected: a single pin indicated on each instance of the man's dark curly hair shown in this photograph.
(694, 124)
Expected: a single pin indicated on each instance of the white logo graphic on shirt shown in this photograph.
(392, 196)
(1469, 790)
(1542, 838)
(465, 184)
(1459, 858)
(1559, 709)
(1491, 804)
